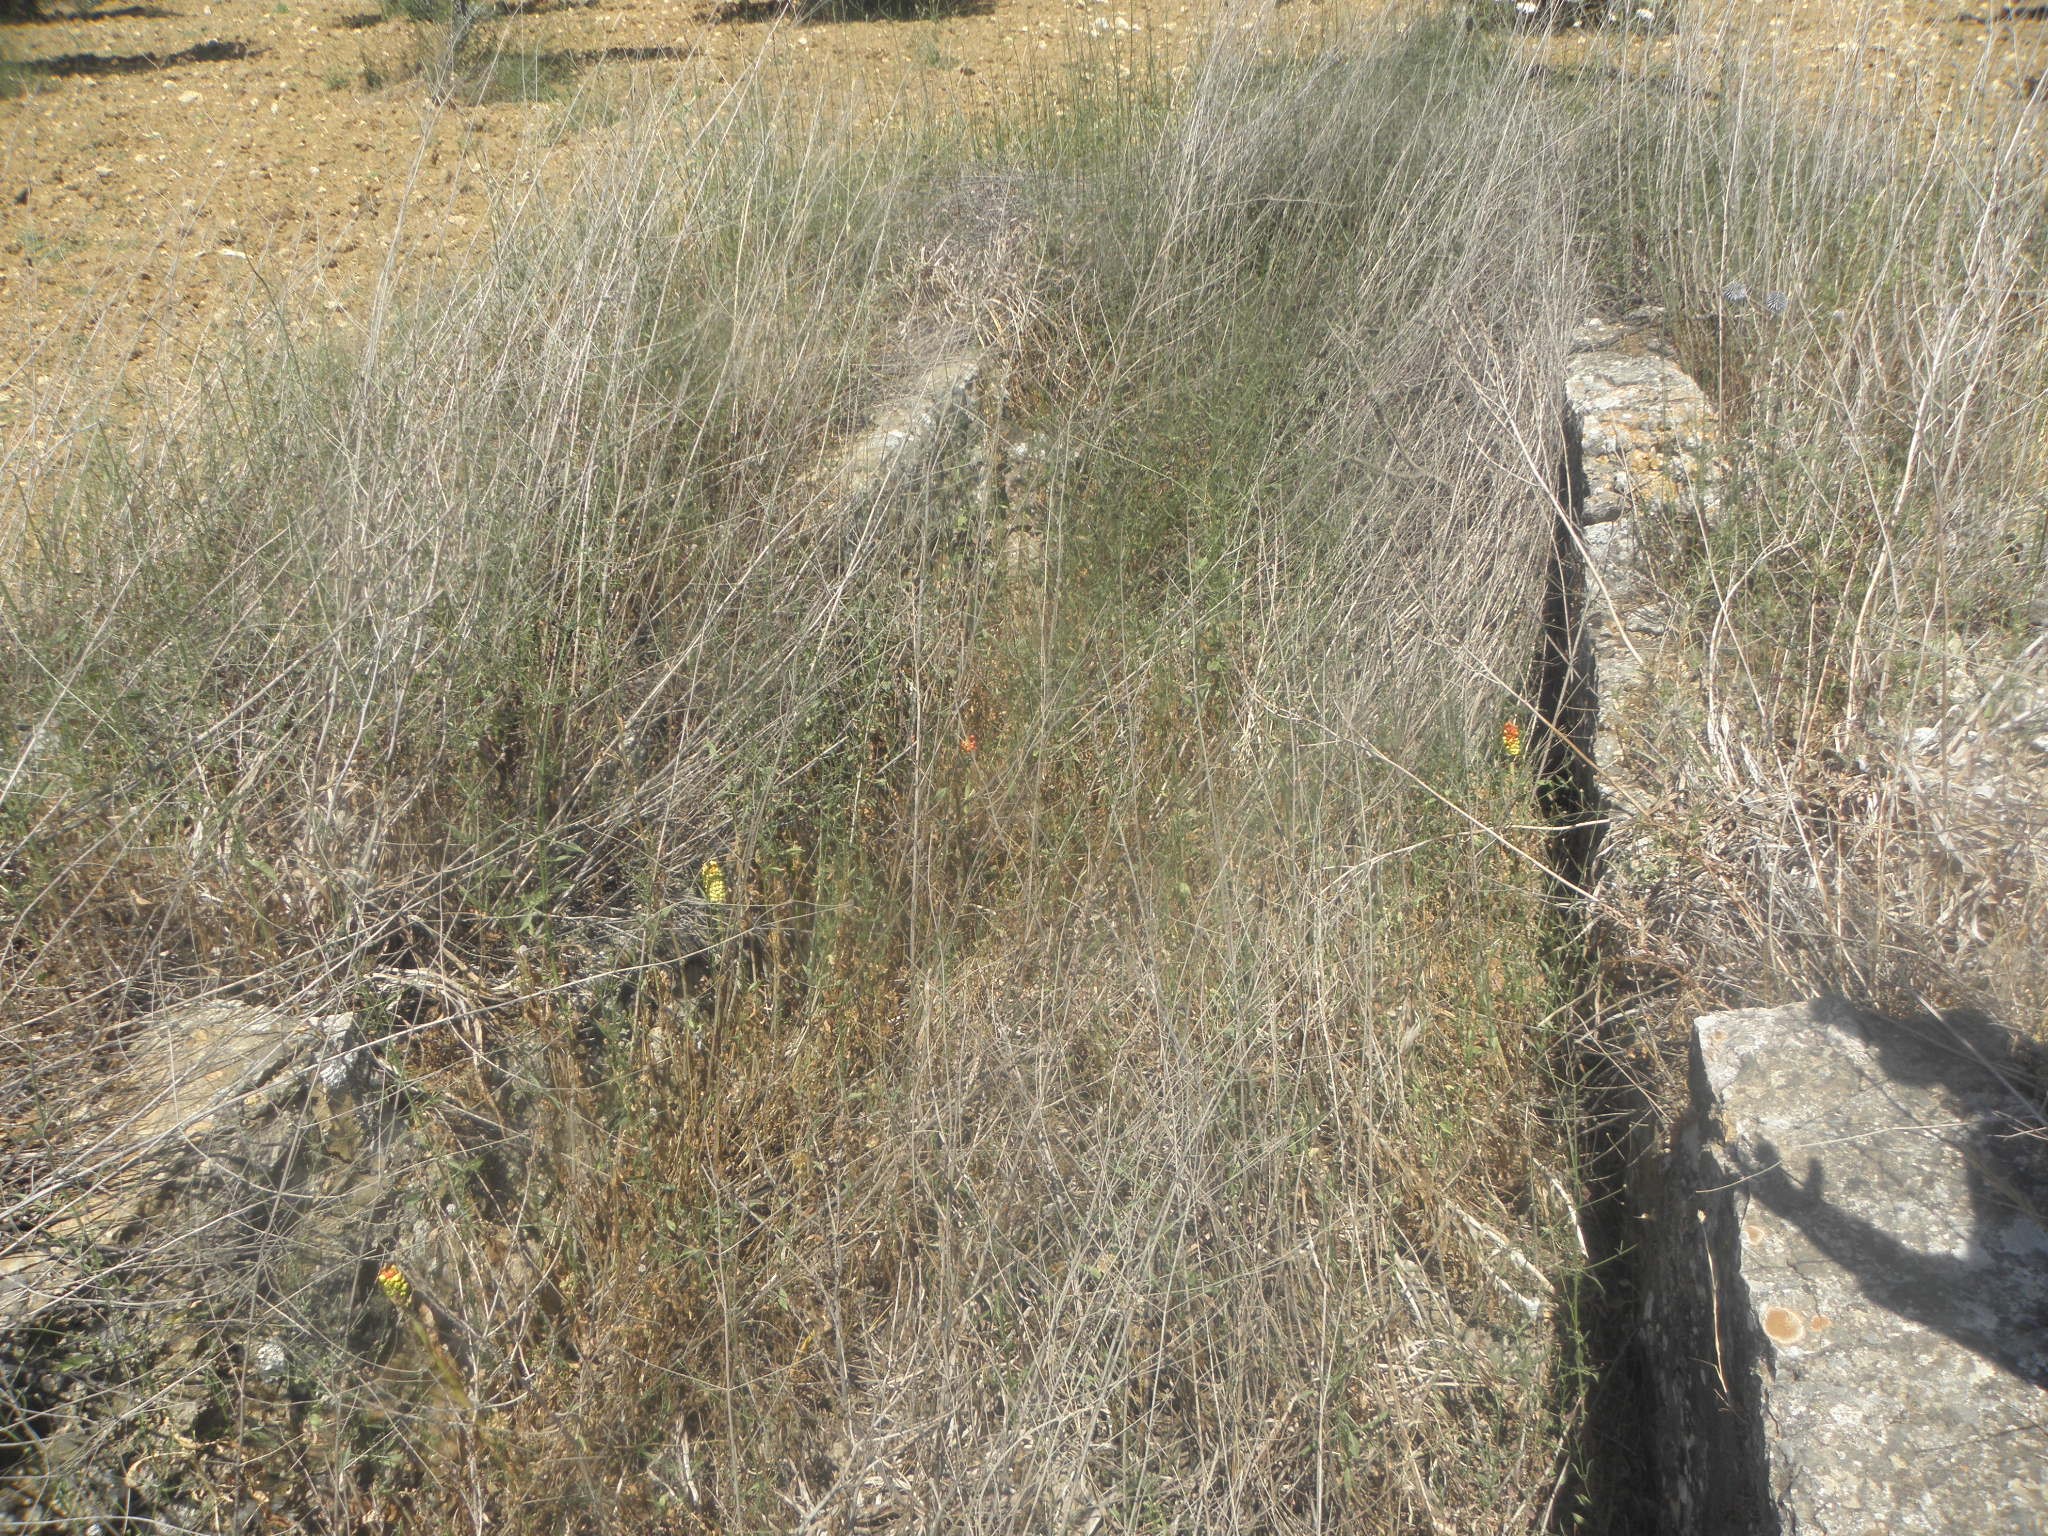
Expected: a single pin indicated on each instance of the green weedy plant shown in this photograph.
(1110, 1080)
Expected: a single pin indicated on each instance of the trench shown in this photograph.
(1611, 1485)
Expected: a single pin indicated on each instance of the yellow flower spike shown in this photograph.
(1511, 739)
(391, 1280)
(712, 878)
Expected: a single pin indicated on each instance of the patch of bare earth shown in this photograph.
(176, 167)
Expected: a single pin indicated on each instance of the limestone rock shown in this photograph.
(1646, 431)
(913, 428)
(1644, 480)
(1643, 485)
(254, 1154)
(1848, 1280)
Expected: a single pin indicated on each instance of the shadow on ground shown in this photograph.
(106, 13)
(212, 51)
(1997, 1082)
(357, 21)
(845, 10)
(649, 53)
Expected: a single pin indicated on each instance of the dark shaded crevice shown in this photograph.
(1563, 689)
(1610, 1486)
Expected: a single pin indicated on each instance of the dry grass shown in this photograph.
(1111, 1090)
(1854, 804)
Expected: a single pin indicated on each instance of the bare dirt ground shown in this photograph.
(175, 167)
(170, 168)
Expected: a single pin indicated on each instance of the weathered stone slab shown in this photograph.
(211, 1268)
(913, 428)
(1848, 1280)
(1643, 480)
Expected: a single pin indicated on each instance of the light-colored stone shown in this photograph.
(214, 1098)
(219, 1128)
(913, 428)
(1848, 1281)
(1645, 479)
(1646, 430)
(250, 1169)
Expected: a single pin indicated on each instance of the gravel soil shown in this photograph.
(172, 168)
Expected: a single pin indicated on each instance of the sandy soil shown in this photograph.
(174, 166)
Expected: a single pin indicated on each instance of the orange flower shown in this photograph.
(968, 742)
(1511, 739)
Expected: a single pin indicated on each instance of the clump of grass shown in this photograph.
(1103, 1083)
(1864, 614)
(1104, 1118)
(610, 644)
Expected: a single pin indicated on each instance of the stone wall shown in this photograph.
(1842, 1256)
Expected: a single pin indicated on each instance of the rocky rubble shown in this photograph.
(210, 1263)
